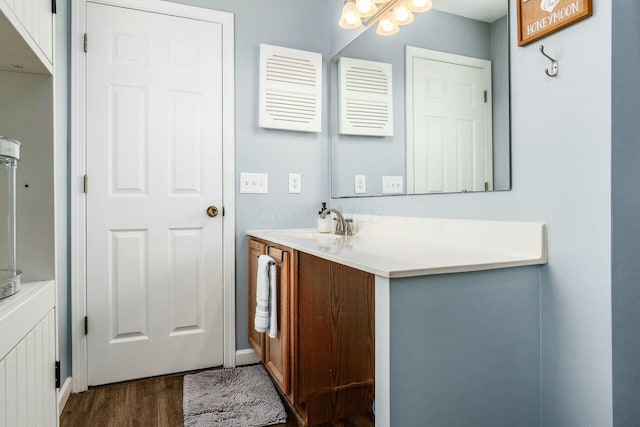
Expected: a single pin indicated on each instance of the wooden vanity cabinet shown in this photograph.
(324, 361)
(274, 353)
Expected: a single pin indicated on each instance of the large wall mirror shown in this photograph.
(426, 110)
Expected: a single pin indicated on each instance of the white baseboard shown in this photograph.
(246, 357)
(63, 394)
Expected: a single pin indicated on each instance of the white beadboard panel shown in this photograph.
(3, 394)
(185, 311)
(11, 388)
(27, 385)
(366, 98)
(51, 408)
(290, 89)
(39, 373)
(21, 312)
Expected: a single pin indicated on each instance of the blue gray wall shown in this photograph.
(561, 170)
(465, 349)
(294, 24)
(626, 213)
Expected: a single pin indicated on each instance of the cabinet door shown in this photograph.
(27, 384)
(277, 356)
(256, 339)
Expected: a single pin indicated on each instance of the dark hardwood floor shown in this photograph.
(148, 402)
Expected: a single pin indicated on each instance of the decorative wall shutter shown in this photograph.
(366, 98)
(290, 89)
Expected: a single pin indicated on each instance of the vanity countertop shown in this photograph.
(397, 247)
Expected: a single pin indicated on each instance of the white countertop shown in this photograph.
(396, 247)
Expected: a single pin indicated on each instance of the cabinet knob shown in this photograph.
(212, 211)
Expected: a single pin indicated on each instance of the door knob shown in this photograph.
(212, 211)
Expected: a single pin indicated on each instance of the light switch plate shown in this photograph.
(360, 184)
(295, 183)
(254, 183)
(392, 185)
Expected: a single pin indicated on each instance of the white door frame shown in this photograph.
(412, 52)
(78, 169)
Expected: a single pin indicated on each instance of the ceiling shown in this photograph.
(482, 10)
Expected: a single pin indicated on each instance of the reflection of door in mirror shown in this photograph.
(449, 122)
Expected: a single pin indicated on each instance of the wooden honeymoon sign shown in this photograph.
(539, 18)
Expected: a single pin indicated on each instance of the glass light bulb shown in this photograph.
(419, 5)
(402, 15)
(387, 25)
(366, 8)
(350, 18)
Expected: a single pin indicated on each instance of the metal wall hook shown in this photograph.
(554, 64)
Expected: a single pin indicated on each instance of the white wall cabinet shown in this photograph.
(27, 357)
(26, 36)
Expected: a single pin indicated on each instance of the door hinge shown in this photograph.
(54, 6)
(85, 184)
(486, 95)
(86, 43)
(486, 186)
(86, 325)
(57, 373)
(223, 211)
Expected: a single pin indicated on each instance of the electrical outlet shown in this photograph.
(392, 184)
(254, 183)
(361, 184)
(295, 183)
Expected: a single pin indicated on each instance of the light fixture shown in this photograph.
(402, 14)
(350, 18)
(366, 8)
(389, 14)
(387, 25)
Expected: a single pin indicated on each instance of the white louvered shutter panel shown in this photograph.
(290, 89)
(366, 98)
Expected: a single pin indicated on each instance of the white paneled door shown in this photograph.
(449, 109)
(154, 165)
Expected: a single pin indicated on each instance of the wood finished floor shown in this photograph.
(149, 402)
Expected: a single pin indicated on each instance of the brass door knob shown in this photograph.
(212, 211)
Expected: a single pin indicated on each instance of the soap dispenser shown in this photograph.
(324, 224)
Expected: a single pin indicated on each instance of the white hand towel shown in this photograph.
(266, 297)
(261, 321)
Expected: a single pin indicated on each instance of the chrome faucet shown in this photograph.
(344, 225)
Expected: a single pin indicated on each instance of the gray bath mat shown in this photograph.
(240, 397)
